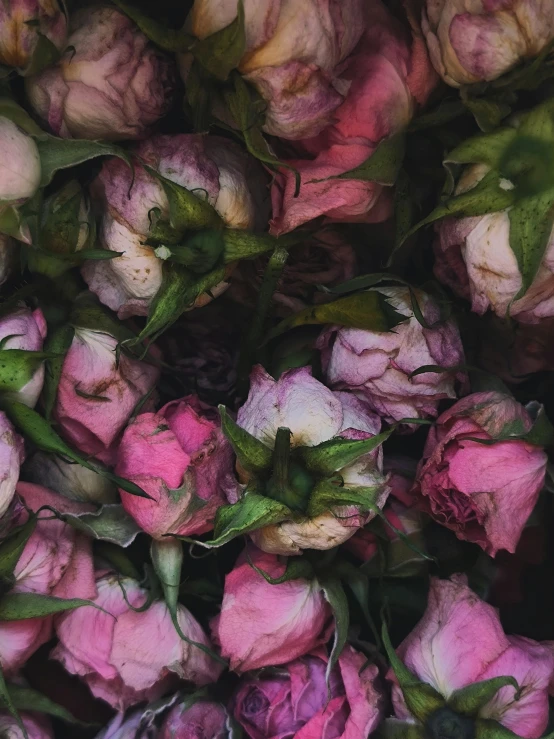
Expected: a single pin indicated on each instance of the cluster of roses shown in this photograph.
(230, 442)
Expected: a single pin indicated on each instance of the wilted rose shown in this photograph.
(378, 365)
(181, 458)
(25, 25)
(25, 329)
(37, 726)
(261, 624)
(201, 718)
(480, 40)
(209, 166)
(384, 79)
(460, 641)
(11, 457)
(111, 83)
(295, 701)
(483, 491)
(20, 165)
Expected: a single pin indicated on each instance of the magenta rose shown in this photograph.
(284, 621)
(181, 458)
(378, 365)
(385, 78)
(97, 393)
(111, 83)
(484, 492)
(203, 718)
(460, 641)
(294, 701)
(25, 329)
(127, 656)
(22, 23)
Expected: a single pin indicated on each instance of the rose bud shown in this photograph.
(203, 718)
(25, 26)
(8, 252)
(490, 277)
(20, 166)
(25, 329)
(316, 503)
(295, 701)
(378, 365)
(71, 480)
(215, 167)
(386, 78)
(326, 259)
(480, 41)
(181, 458)
(12, 453)
(293, 56)
(459, 642)
(98, 392)
(474, 479)
(56, 560)
(111, 83)
(285, 621)
(127, 656)
(37, 726)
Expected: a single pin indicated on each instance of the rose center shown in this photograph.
(446, 724)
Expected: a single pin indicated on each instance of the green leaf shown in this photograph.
(472, 698)
(253, 455)
(241, 244)
(10, 109)
(335, 596)
(56, 154)
(421, 699)
(110, 523)
(542, 432)
(11, 224)
(18, 366)
(221, 52)
(531, 222)
(382, 166)
(366, 310)
(485, 148)
(358, 583)
(27, 699)
(61, 226)
(45, 54)
(12, 547)
(166, 38)
(326, 496)
(7, 702)
(57, 344)
(489, 729)
(19, 606)
(392, 728)
(488, 113)
(331, 456)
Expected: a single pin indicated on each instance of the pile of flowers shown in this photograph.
(276, 369)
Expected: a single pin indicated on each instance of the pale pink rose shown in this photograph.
(384, 79)
(283, 621)
(314, 414)
(20, 165)
(210, 166)
(295, 701)
(26, 330)
(36, 725)
(473, 41)
(377, 364)
(201, 719)
(22, 23)
(97, 394)
(460, 641)
(483, 492)
(473, 256)
(11, 458)
(56, 560)
(111, 83)
(125, 656)
(180, 457)
(293, 56)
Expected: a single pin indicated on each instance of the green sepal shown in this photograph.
(7, 703)
(61, 227)
(117, 558)
(392, 728)
(298, 568)
(358, 583)
(541, 432)
(27, 699)
(240, 244)
(111, 523)
(489, 729)
(12, 547)
(421, 698)
(10, 109)
(222, 51)
(382, 166)
(17, 367)
(12, 224)
(326, 496)
(335, 454)
(336, 597)
(200, 253)
(20, 606)
(253, 455)
(57, 343)
(472, 698)
(45, 54)
(166, 38)
(488, 113)
(485, 148)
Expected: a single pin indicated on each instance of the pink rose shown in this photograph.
(20, 166)
(377, 365)
(22, 23)
(480, 40)
(111, 83)
(37, 726)
(483, 492)
(97, 395)
(201, 719)
(180, 457)
(283, 622)
(127, 656)
(56, 560)
(11, 458)
(384, 78)
(26, 330)
(460, 641)
(293, 55)
(210, 166)
(294, 700)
